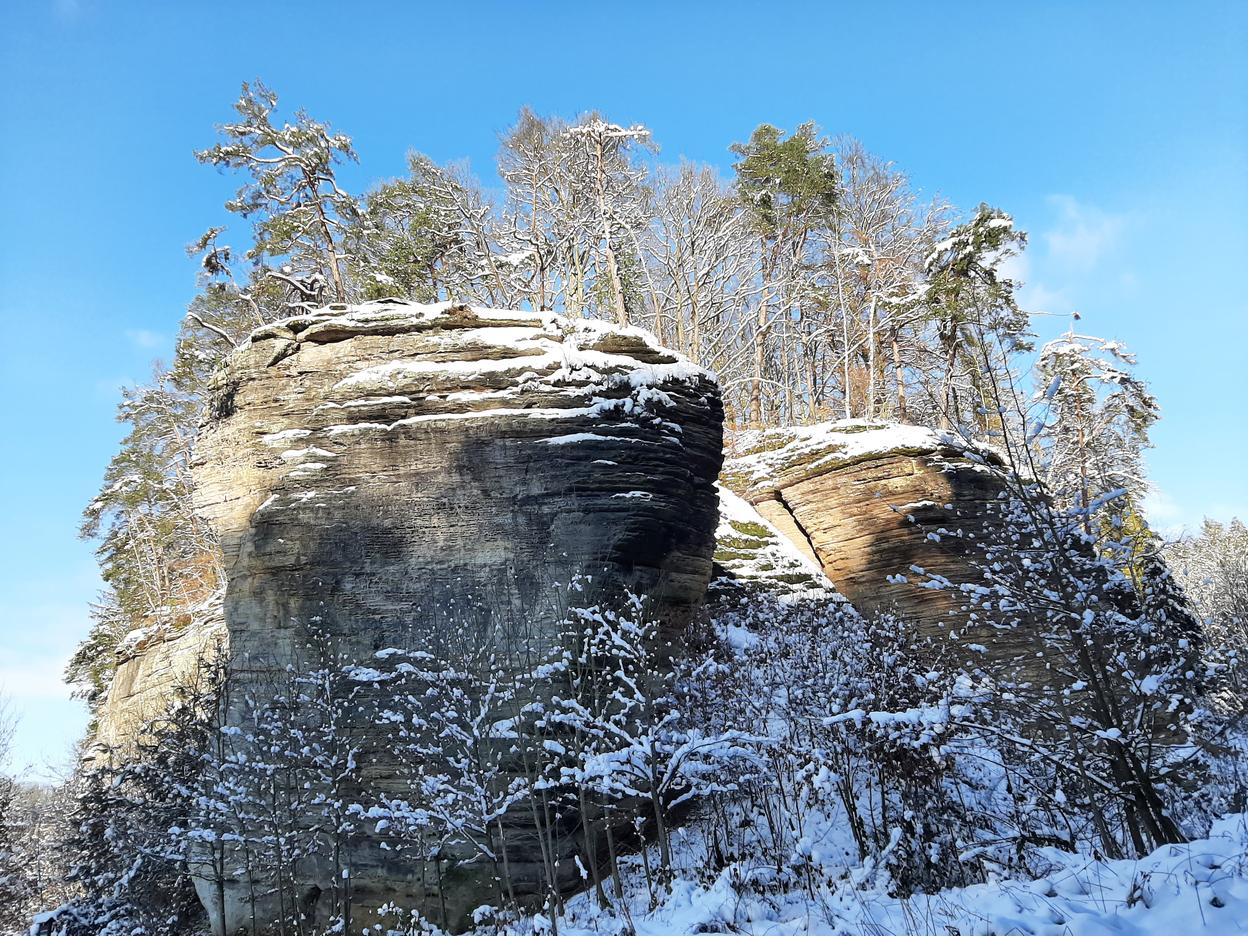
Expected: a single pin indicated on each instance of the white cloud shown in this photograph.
(1164, 514)
(1033, 296)
(1172, 518)
(1065, 263)
(41, 621)
(1040, 299)
(110, 387)
(147, 340)
(1084, 234)
(67, 11)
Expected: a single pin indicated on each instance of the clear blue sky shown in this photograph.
(1116, 133)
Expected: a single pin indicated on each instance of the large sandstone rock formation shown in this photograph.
(867, 502)
(387, 472)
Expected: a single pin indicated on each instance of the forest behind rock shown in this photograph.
(800, 758)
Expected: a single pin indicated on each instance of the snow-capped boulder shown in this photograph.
(390, 474)
(866, 500)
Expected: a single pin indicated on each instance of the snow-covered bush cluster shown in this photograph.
(797, 764)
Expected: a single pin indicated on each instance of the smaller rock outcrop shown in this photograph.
(861, 498)
(151, 666)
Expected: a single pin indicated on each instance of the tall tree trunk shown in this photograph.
(949, 342)
(840, 294)
(871, 358)
(331, 247)
(756, 388)
(760, 337)
(899, 375)
(613, 268)
(539, 259)
(1084, 494)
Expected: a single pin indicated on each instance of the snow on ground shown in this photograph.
(1200, 887)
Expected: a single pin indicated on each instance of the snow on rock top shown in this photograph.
(869, 501)
(480, 340)
(770, 459)
(397, 364)
(446, 362)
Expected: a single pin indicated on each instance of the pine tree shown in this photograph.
(158, 558)
(789, 188)
(975, 313)
(16, 886)
(431, 236)
(299, 212)
(1212, 569)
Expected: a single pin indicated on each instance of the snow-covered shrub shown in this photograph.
(16, 886)
(862, 726)
(1212, 568)
(578, 729)
(1104, 705)
(127, 848)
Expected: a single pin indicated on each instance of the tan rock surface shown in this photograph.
(863, 498)
(148, 671)
(388, 471)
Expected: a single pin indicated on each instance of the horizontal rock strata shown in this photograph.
(396, 475)
(868, 501)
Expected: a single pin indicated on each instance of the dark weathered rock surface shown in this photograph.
(863, 498)
(384, 471)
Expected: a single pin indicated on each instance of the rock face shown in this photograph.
(149, 670)
(752, 555)
(861, 498)
(388, 472)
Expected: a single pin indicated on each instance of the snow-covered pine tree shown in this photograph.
(127, 852)
(978, 324)
(431, 237)
(159, 560)
(1212, 567)
(1092, 430)
(299, 211)
(16, 887)
(789, 187)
